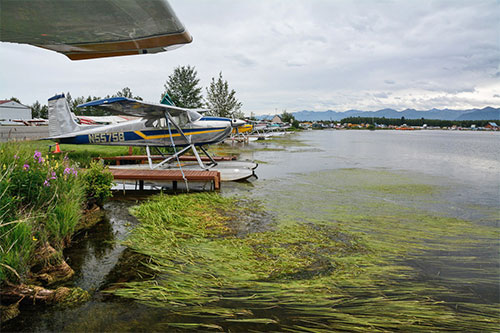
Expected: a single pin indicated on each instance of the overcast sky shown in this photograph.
(298, 55)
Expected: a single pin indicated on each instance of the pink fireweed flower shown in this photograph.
(38, 156)
(26, 167)
(16, 157)
(69, 171)
(53, 174)
(46, 183)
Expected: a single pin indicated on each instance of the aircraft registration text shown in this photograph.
(106, 137)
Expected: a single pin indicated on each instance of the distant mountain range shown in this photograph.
(487, 113)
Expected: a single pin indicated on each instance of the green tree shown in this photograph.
(126, 92)
(44, 112)
(287, 117)
(35, 110)
(182, 87)
(39, 111)
(15, 99)
(221, 101)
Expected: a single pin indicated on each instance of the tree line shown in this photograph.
(415, 122)
(183, 88)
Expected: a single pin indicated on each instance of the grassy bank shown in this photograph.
(81, 155)
(42, 198)
(344, 261)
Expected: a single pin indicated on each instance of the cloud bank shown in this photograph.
(297, 55)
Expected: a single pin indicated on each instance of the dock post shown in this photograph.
(141, 185)
(174, 185)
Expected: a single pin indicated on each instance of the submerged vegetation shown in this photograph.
(346, 262)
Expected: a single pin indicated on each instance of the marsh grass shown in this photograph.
(41, 199)
(348, 260)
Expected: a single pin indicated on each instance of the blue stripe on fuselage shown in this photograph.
(214, 118)
(132, 136)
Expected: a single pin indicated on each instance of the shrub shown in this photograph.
(97, 183)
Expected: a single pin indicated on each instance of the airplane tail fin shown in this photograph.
(167, 100)
(60, 118)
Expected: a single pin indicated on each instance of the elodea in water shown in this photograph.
(311, 275)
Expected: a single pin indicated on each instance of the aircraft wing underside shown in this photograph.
(86, 29)
(136, 108)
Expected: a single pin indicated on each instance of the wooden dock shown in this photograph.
(144, 158)
(167, 175)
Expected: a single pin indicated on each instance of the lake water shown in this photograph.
(392, 186)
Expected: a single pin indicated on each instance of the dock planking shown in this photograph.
(167, 175)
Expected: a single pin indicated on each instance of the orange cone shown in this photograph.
(58, 150)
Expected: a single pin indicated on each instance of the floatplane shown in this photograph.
(157, 125)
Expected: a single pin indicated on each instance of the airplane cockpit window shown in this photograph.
(180, 120)
(194, 115)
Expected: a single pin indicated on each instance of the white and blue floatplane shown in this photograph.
(158, 125)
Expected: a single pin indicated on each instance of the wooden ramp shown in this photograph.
(167, 175)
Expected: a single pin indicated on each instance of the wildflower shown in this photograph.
(53, 174)
(46, 183)
(34, 238)
(75, 173)
(4, 167)
(38, 156)
(16, 157)
(67, 171)
(26, 167)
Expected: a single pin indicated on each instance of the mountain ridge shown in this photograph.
(486, 113)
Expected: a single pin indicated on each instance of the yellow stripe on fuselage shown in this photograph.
(161, 136)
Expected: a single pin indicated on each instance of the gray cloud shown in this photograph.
(298, 54)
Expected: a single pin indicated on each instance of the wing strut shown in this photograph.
(176, 154)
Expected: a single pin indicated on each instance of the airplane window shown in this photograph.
(194, 115)
(181, 120)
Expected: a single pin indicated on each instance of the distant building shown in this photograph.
(11, 110)
(277, 120)
(491, 126)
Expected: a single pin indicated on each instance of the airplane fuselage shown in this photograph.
(205, 130)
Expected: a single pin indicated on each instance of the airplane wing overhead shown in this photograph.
(87, 29)
(136, 108)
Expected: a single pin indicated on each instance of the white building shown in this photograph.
(11, 110)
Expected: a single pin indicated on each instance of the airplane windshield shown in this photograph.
(193, 115)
